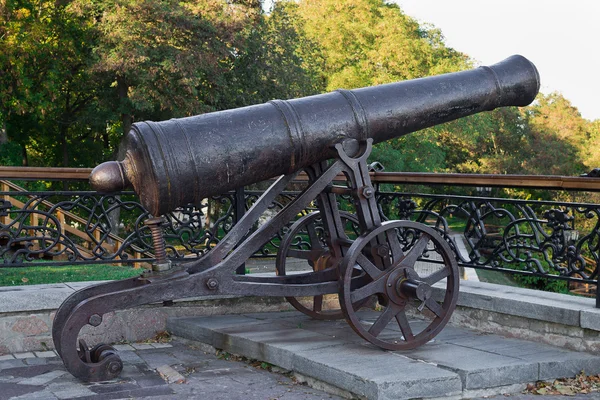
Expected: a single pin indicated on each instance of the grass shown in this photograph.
(495, 277)
(67, 273)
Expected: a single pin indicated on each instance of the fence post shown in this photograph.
(61, 228)
(5, 220)
(238, 212)
(33, 222)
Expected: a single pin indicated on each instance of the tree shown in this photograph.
(43, 58)
(370, 42)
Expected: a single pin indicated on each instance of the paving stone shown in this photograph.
(33, 297)
(590, 318)
(40, 395)
(214, 322)
(7, 364)
(73, 392)
(130, 357)
(155, 360)
(23, 371)
(374, 374)
(45, 354)
(142, 346)
(114, 387)
(42, 379)
(478, 369)
(36, 361)
(7, 357)
(273, 343)
(169, 374)
(123, 347)
(20, 356)
(145, 381)
(10, 390)
(139, 393)
(161, 345)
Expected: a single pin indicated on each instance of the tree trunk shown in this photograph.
(3, 133)
(24, 156)
(65, 151)
(126, 118)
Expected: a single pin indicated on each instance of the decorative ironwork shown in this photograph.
(53, 228)
(560, 240)
(554, 239)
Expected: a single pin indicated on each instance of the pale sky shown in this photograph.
(562, 38)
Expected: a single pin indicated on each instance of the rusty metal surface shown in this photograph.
(168, 164)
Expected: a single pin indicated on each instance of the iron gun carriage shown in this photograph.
(181, 161)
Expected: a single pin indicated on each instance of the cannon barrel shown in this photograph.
(180, 161)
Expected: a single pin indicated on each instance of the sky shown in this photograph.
(562, 38)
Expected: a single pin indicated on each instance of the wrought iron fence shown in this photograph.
(549, 239)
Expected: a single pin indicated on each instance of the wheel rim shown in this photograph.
(399, 286)
(317, 255)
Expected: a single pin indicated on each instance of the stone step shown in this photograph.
(458, 363)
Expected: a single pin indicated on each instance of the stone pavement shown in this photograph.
(193, 373)
(459, 362)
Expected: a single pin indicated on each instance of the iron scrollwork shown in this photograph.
(537, 237)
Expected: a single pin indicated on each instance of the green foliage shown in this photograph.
(76, 74)
(541, 283)
(68, 273)
(11, 154)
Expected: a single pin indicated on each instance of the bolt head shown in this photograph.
(95, 320)
(212, 284)
(383, 250)
(368, 192)
(114, 367)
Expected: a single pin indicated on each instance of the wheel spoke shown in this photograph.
(404, 326)
(416, 252)
(301, 254)
(318, 303)
(370, 268)
(436, 276)
(367, 290)
(383, 320)
(434, 307)
(392, 239)
(315, 242)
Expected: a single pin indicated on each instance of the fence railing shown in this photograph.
(547, 239)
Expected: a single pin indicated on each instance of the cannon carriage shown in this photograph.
(181, 161)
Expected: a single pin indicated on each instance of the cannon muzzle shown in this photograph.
(180, 161)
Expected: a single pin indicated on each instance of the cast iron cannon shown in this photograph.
(182, 161)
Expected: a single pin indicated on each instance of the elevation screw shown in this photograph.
(158, 242)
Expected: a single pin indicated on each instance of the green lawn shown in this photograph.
(67, 273)
(495, 277)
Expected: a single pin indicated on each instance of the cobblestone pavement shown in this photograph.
(178, 370)
(157, 371)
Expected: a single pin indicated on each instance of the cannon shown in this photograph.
(178, 162)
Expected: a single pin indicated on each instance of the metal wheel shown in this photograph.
(402, 261)
(304, 249)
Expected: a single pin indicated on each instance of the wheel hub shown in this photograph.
(404, 284)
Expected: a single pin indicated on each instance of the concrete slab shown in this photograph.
(458, 363)
(478, 369)
(534, 304)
